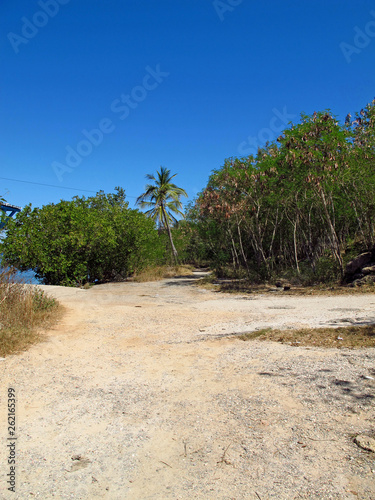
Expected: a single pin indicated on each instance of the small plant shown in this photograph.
(41, 301)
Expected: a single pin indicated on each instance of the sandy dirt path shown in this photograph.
(140, 392)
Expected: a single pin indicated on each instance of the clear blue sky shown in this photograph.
(178, 83)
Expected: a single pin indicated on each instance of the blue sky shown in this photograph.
(130, 86)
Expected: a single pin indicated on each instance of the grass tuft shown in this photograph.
(245, 286)
(351, 337)
(23, 309)
(160, 272)
(254, 335)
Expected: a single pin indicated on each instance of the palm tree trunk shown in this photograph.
(174, 251)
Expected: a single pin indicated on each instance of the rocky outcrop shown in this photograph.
(358, 263)
(368, 270)
(361, 270)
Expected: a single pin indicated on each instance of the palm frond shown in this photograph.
(162, 194)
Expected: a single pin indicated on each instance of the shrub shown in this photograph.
(83, 240)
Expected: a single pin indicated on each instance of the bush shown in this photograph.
(83, 240)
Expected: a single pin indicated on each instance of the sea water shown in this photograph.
(25, 277)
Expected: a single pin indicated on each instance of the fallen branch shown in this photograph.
(165, 463)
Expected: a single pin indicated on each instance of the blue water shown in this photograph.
(28, 277)
(25, 277)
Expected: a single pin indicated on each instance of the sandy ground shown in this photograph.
(142, 392)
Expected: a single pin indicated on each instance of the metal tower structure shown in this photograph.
(10, 210)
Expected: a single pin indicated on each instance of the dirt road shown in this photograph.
(139, 393)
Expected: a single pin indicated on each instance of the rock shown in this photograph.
(358, 276)
(282, 283)
(369, 270)
(365, 442)
(359, 262)
(366, 280)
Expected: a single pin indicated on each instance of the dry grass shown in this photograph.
(246, 287)
(23, 309)
(352, 337)
(161, 272)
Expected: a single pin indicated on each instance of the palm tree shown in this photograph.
(163, 200)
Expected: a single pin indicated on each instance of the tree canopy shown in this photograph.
(86, 239)
(300, 203)
(301, 198)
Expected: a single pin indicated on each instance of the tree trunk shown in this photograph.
(335, 245)
(174, 251)
(236, 261)
(295, 245)
(242, 249)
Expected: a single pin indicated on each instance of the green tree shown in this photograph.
(313, 158)
(86, 239)
(163, 201)
(300, 201)
(360, 178)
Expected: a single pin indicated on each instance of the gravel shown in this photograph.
(139, 393)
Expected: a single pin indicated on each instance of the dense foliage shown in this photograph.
(301, 200)
(98, 238)
(299, 207)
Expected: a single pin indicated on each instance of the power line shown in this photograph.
(48, 185)
(63, 187)
(53, 185)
